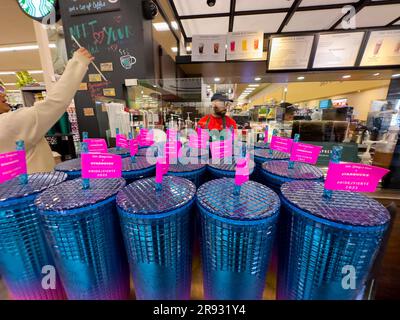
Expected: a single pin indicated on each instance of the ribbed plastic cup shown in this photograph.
(23, 248)
(264, 155)
(83, 231)
(192, 172)
(124, 153)
(71, 167)
(276, 173)
(139, 169)
(327, 243)
(157, 228)
(237, 234)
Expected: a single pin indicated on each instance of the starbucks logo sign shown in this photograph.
(38, 9)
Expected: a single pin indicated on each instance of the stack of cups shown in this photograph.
(25, 258)
(83, 231)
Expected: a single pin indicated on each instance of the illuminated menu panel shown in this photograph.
(383, 49)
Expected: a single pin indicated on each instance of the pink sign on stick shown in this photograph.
(266, 135)
(162, 168)
(302, 152)
(133, 147)
(353, 177)
(12, 164)
(101, 166)
(221, 149)
(146, 138)
(242, 171)
(96, 145)
(281, 144)
(122, 141)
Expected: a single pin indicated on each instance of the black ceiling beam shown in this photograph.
(393, 22)
(357, 7)
(232, 15)
(172, 4)
(289, 15)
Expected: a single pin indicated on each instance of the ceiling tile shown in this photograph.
(375, 16)
(313, 20)
(247, 5)
(309, 3)
(206, 26)
(195, 7)
(269, 23)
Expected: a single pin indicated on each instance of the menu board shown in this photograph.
(208, 47)
(383, 49)
(80, 7)
(290, 52)
(338, 50)
(245, 45)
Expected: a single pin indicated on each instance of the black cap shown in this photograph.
(220, 97)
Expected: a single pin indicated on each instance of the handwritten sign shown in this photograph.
(107, 67)
(12, 164)
(281, 144)
(77, 8)
(145, 138)
(101, 166)
(95, 77)
(122, 141)
(353, 177)
(221, 149)
(109, 92)
(96, 145)
(162, 168)
(133, 147)
(242, 171)
(302, 152)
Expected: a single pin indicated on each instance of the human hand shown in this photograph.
(84, 52)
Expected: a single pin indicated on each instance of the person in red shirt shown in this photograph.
(218, 120)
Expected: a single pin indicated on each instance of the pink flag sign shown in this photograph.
(242, 171)
(146, 138)
(353, 177)
(266, 135)
(162, 168)
(96, 145)
(200, 140)
(172, 150)
(281, 144)
(221, 149)
(12, 164)
(302, 152)
(101, 166)
(122, 141)
(133, 147)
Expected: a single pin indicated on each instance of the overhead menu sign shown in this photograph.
(208, 47)
(338, 50)
(245, 45)
(81, 7)
(290, 52)
(383, 49)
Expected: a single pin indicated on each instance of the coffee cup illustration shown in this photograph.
(201, 48)
(216, 48)
(128, 61)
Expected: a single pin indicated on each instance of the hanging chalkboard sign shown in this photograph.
(81, 7)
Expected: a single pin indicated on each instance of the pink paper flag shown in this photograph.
(12, 164)
(221, 149)
(162, 168)
(302, 152)
(96, 145)
(266, 135)
(353, 177)
(133, 147)
(172, 150)
(101, 166)
(281, 144)
(122, 141)
(242, 171)
(146, 138)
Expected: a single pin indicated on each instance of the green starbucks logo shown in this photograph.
(37, 8)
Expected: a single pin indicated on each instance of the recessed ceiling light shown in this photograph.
(174, 49)
(257, 79)
(347, 76)
(396, 75)
(163, 26)
(254, 85)
(217, 79)
(188, 48)
(376, 74)
(300, 78)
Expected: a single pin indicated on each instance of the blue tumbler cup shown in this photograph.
(139, 169)
(276, 173)
(264, 155)
(83, 231)
(71, 167)
(23, 248)
(327, 246)
(157, 228)
(237, 234)
(192, 172)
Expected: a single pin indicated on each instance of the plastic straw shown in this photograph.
(93, 64)
(85, 135)
(133, 157)
(85, 182)
(23, 178)
(296, 139)
(117, 133)
(336, 156)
